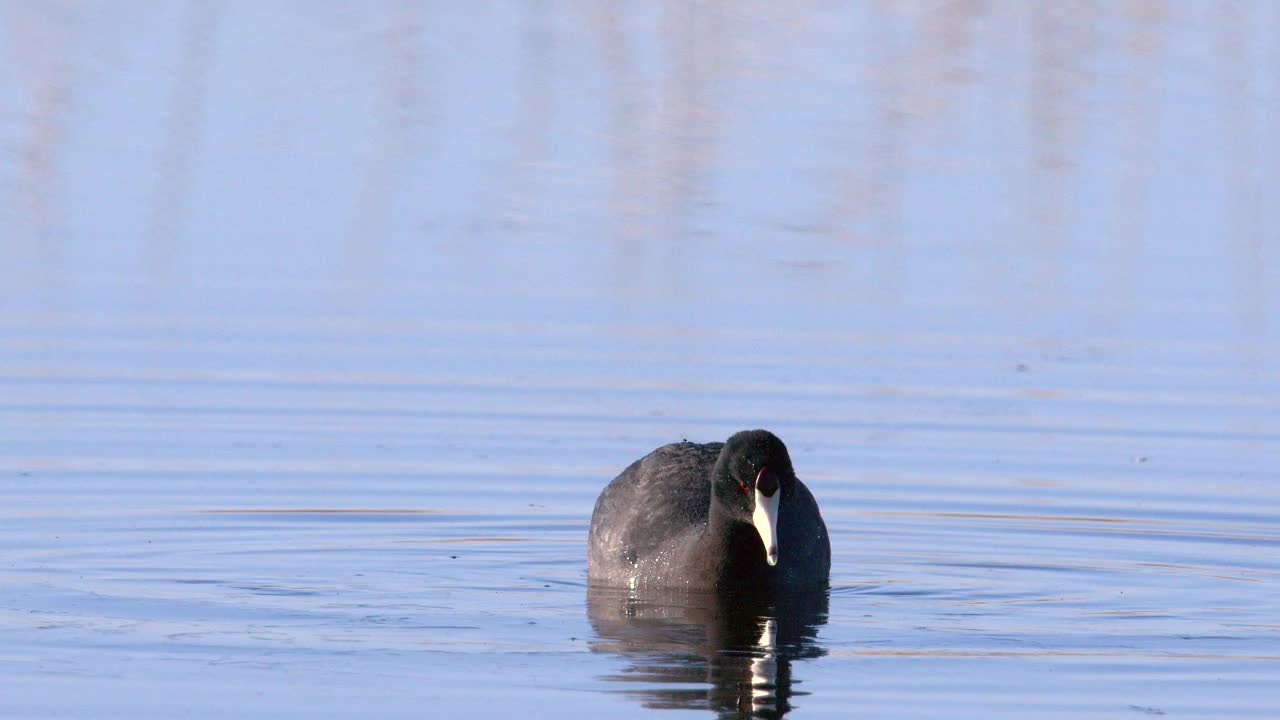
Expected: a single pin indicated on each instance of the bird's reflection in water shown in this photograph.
(727, 653)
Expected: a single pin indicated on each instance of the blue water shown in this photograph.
(321, 328)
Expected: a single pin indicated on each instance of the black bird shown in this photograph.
(728, 516)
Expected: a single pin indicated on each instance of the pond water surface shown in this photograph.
(322, 326)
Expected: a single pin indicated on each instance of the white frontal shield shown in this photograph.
(765, 518)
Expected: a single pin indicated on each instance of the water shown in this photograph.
(321, 328)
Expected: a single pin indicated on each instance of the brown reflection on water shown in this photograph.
(1145, 44)
(1254, 173)
(1033, 103)
(1247, 163)
(1063, 43)
(689, 116)
(187, 110)
(630, 169)
(45, 43)
(524, 181)
(888, 129)
(400, 111)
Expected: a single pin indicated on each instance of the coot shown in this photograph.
(723, 516)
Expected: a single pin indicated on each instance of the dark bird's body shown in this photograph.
(682, 516)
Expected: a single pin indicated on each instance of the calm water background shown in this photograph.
(321, 326)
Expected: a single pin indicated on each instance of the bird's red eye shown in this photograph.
(742, 485)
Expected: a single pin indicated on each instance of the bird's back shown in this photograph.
(652, 512)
